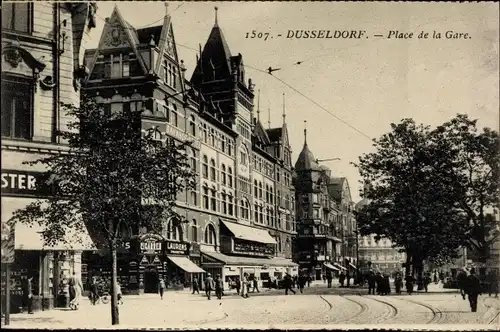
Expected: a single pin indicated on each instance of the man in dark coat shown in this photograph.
(301, 282)
(493, 282)
(461, 281)
(238, 285)
(379, 280)
(473, 289)
(209, 285)
(348, 279)
(410, 281)
(371, 283)
(195, 285)
(341, 278)
(329, 280)
(27, 287)
(398, 283)
(287, 283)
(219, 287)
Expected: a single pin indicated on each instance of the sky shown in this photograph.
(348, 90)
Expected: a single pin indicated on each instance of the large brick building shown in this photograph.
(240, 216)
(42, 65)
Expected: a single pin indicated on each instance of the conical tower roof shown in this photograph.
(306, 160)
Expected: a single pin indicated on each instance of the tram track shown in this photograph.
(437, 315)
(363, 308)
(393, 310)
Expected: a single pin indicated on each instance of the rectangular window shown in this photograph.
(17, 109)
(17, 16)
(126, 69)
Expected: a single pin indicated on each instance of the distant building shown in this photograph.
(42, 65)
(325, 222)
(378, 255)
(241, 215)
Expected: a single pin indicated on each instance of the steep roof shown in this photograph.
(274, 134)
(261, 133)
(144, 35)
(306, 160)
(215, 58)
(335, 187)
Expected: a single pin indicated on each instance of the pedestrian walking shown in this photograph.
(93, 291)
(379, 282)
(27, 288)
(329, 278)
(209, 285)
(244, 286)
(341, 279)
(398, 283)
(410, 281)
(76, 290)
(238, 285)
(371, 283)
(386, 285)
(492, 280)
(161, 287)
(462, 282)
(301, 282)
(435, 277)
(119, 296)
(219, 287)
(195, 286)
(473, 289)
(427, 281)
(255, 283)
(287, 283)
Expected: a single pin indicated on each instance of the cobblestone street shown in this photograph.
(317, 306)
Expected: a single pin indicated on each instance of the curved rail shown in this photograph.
(363, 308)
(437, 314)
(393, 311)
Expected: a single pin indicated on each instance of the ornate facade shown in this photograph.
(240, 217)
(325, 222)
(42, 65)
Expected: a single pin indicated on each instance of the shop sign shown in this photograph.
(25, 183)
(148, 244)
(252, 248)
(182, 136)
(194, 250)
(176, 248)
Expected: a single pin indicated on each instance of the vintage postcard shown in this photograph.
(253, 164)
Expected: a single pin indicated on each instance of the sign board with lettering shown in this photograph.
(151, 244)
(26, 183)
(176, 248)
(181, 136)
(252, 248)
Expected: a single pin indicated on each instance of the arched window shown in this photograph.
(175, 116)
(194, 231)
(255, 189)
(244, 209)
(205, 167)
(243, 155)
(271, 199)
(260, 190)
(210, 235)
(213, 173)
(267, 193)
(193, 160)
(174, 232)
(230, 177)
(192, 125)
(223, 174)
(256, 212)
(271, 212)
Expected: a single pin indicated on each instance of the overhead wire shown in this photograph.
(280, 80)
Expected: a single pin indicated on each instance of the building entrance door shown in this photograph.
(151, 280)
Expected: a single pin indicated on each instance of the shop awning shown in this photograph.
(331, 267)
(353, 266)
(249, 233)
(250, 261)
(30, 238)
(337, 265)
(185, 264)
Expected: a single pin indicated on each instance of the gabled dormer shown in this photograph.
(117, 55)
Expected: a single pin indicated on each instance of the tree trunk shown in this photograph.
(408, 263)
(115, 317)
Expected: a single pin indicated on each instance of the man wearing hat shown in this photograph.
(473, 289)
(219, 286)
(209, 285)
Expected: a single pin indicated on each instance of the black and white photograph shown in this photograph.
(250, 165)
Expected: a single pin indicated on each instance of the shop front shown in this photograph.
(246, 249)
(49, 266)
(180, 270)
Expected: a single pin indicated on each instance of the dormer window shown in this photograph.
(169, 74)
